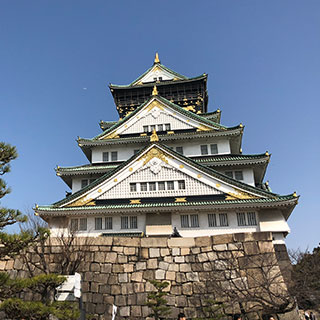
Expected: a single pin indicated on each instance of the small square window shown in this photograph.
(83, 224)
(133, 222)
(105, 156)
(223, 220)
(160, 127)
(74, 225)
(98, 223)
(212, 220)
(241, 218)
(204, 149)
(181, 184)
(252, 220)
(214, 148)
(114, 155)
(238, 175)
(108, 223)
(179, 150)
(155, 79)
(152, 186)
(160, 78)
(194, 220)
(145, 128)
(133, 187)
(168, 126)
(170, 185)
(184, 221)
(143, 186)
(229, 174)
(84, 183)
(124, 222)
(153, 127)
(161, 185)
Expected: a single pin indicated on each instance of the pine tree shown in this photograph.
(10, 245)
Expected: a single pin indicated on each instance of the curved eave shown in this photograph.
(214, 116)
(286, 202)
(236, 131)
(133, 85)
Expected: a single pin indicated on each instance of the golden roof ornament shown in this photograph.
(156, 59)
(155, 91)
(154, 137)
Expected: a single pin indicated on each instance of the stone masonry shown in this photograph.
(117, 270)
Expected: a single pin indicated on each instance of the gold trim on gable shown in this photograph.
(81, 202)
(135, 201)
(154, 104)
(181, 200)
(204, 128)
(240, 195)
(111, 136)
(154, 153)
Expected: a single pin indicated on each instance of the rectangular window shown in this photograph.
(167, 126)
(229, 174)
(143, 186)
(108, 223)
(194, 220)
(241, 218)
(161, 185)
(179, 150)
(153, 127)
(98, 223)
(84, 183)
(238, 175)
(152, 186)
(74, 225)
(184, 221)
(181, 184)
(204, 149)
(83, 224)
(114, 155)
(214, 148)
(133, 187)
(223, 220)
(105, 156)
(252, 220)
(133, 222)
(160, 78)
(170, 185)
(154, 79)
(124, 223)
(145, 128)
(212, 220)
(136, 151)
(160, 127)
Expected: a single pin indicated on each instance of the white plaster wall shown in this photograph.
(124, 152)
(273, 220)
(192, 148)
(76, 182)
(157, 72)
(56, 231)
(205, 230)
(248, 174)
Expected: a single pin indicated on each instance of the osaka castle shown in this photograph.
(167, 167)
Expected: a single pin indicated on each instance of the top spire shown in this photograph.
(156, 59)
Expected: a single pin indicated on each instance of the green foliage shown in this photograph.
(11, 245)
(16, 309)
(157, 302)
(306, 279)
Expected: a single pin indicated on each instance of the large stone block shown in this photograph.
(181, 242)
(95, 267)
(123, 277)
(111, 257)
(136, 311)
(192, 276)
(136, 276)
(115, 289)
(122, 258)
(179, 259)
(117, 268)
(203, 241)
(100, 308)
(222, 238)
(170, 275)
(129, 251)
(164, 252)
(128, 267)
(265, 246)
(152, 264)
(126, 241)
(160, 274)
(127, 288)
(124, 311)
(138, 287)
(106, 268)
(141, 266)
(99, 257)
(154, 252)
(154, 242)
(202, 257)
(251, 248)
(181, 301)
(185, 267)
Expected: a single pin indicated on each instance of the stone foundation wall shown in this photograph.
(117, 270)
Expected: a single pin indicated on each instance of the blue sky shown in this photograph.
(262, 58)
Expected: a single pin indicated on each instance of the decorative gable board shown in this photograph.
(156, 112)
(167, 173)
(156, 72)
(157, 164)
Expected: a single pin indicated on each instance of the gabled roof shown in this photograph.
(156, 66)
(243, 189)
(176, 108)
